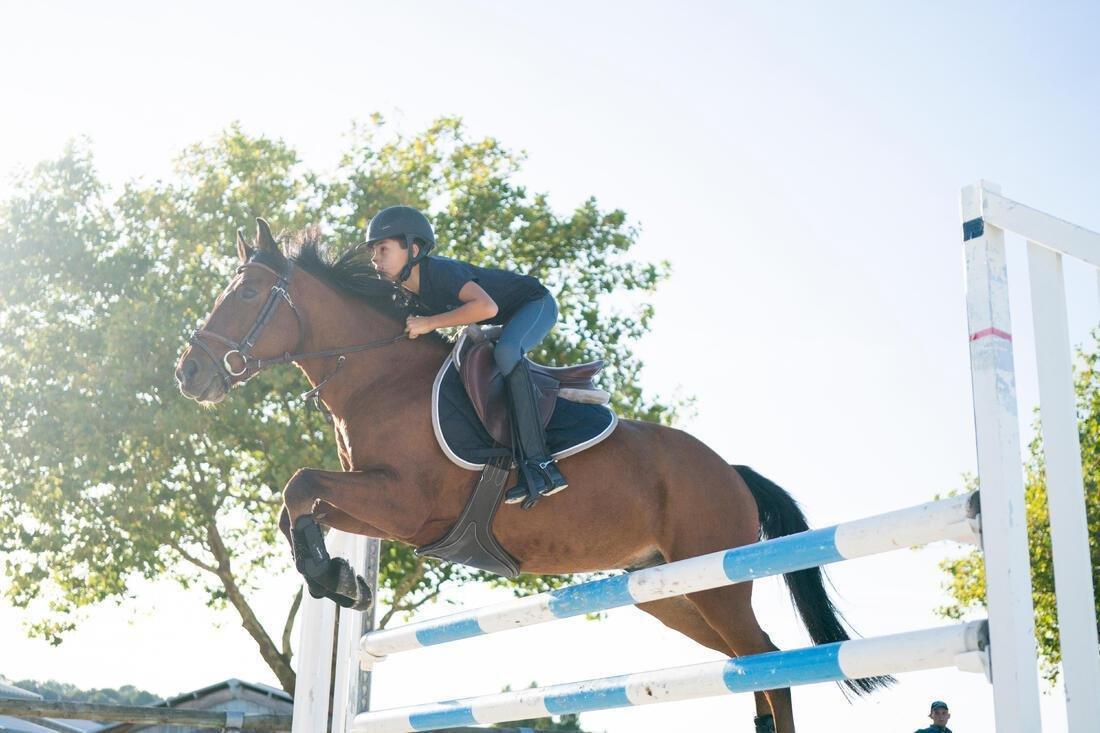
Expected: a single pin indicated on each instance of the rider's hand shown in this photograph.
(417, 326)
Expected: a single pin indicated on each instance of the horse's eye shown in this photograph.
(248, 293)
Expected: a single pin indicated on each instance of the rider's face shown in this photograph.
(940, 716)
(388, 257)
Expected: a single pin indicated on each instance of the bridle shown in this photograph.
(242, 349)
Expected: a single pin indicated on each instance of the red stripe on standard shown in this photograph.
(991, 332)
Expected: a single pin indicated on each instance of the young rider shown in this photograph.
(457, 294)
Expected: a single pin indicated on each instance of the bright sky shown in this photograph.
(798, 163)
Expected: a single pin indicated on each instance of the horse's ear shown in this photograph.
(243, 249)
(264, 240)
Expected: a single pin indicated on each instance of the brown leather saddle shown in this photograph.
(473, 356)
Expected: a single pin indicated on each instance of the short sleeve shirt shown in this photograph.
(934, 729)
(441, 279)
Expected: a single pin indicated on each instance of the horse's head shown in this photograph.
(254, 322)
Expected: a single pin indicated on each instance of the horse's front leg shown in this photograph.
(367, 502)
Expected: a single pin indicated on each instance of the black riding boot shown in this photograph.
(539, 475)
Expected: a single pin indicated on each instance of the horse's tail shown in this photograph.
(780, 515)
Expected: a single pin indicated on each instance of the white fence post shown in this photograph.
(311, 703)
(351, 686)
(1004, 520)
(318, 650)
(1065, 491)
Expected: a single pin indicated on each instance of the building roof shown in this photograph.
(230, 694)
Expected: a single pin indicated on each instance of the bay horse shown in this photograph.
(670, 495)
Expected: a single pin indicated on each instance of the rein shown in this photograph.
(242, 349)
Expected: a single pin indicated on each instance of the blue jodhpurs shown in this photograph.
(524, 331)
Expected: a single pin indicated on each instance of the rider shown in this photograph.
(455, 293)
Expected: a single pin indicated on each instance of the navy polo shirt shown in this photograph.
(441, 279)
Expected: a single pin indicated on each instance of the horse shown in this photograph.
(671, 496)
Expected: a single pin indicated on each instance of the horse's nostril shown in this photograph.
(187, 372)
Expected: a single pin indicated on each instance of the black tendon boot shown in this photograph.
(327, 577)
(539, 475)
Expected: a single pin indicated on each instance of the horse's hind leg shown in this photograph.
(680, 614)
(728, 610)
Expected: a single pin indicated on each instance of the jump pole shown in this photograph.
(954, 518)
(929, 649)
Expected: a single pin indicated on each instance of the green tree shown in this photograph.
(107, 474)
(966, 584)
(53, 690)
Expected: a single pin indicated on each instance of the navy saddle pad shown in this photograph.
(573, 427)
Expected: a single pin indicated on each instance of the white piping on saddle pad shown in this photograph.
(456, 352)
(478, 466)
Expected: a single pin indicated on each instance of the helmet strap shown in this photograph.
(406, 271)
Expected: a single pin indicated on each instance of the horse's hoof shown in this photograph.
(353, 588)
(365, 597)
(764, 723)
(315, 590)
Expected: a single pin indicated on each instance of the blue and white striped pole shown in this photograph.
(938, 520)
(929, 649)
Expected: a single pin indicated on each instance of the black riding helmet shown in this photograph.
(407, 224)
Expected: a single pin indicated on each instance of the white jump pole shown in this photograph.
(948, 519)
(930, 649)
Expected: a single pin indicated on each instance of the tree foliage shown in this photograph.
(107, 474)
(53, 690)
(966, 584)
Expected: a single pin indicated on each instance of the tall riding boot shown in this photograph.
(537, 466)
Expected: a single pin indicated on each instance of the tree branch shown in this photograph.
(294, 606)
(403, 589)
(278, 663)
(407, 608)
(191, 558)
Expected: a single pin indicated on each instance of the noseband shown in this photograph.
(243, 349)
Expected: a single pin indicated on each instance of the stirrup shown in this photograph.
(551, 481)
(522, 492)
(554, 480)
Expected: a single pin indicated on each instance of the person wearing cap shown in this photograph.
(452, 293)
(939, 715)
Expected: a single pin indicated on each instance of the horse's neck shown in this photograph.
(347, 323)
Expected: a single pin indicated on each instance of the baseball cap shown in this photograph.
(938, 704)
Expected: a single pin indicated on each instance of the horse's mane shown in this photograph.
(351, 273)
